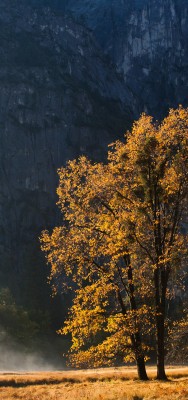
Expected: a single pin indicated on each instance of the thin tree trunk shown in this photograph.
(135, 338)
(161, 375)
(140, 362)
(160, 322)
(141, 369)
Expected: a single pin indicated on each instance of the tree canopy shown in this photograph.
(121, 242)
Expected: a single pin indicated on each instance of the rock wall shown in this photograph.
(148, 42)
(59, 97)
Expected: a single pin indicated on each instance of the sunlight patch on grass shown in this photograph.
(100, 384)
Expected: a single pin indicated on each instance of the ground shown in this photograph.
(99, 384)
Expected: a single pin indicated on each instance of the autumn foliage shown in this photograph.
(121, 242)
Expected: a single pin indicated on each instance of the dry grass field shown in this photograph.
(99, 384)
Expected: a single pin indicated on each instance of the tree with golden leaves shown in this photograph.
(121, 242)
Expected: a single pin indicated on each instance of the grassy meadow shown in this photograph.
(99, 384)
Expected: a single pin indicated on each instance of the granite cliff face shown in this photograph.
(148, 42)
(59, 97)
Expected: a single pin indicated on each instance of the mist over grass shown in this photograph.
(40, 356)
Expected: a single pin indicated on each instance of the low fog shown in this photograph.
(16, 357)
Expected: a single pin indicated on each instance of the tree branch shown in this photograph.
(144, 248)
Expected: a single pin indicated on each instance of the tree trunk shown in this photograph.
(160, 279)
(137, 347)
(161, 375)
(140, 362)
(135, 337)
(141, 369)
